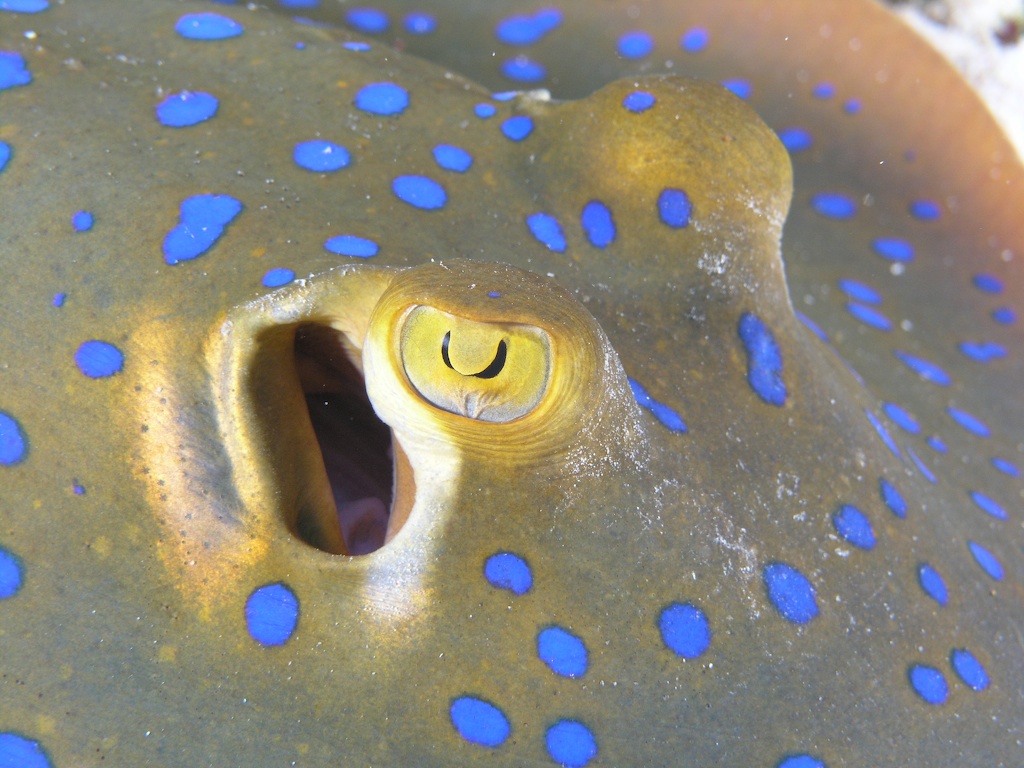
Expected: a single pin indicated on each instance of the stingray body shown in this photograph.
(352, 414)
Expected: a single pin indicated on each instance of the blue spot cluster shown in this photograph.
(764, 360)
(201, 222)
(272, 614)
(482, 722)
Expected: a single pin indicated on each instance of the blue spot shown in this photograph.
(986, 560)
(637, 101)
(926, 370)
(201, 223)
(1005, 466)
(58, 299)
(419, 192)
(24, 6)
(517, 127)
(983, 351)
(207, 26)
(503, 570)
(570, 743)
(598, 224)
(740, 88)
(452, 158)
(901, 418)
(988, 283)
(353, 45)
(928, 683)
(13, 444)
(790, 592)
(764, 360)
(936, 444)
(547, 230)
(668, 417)
(812, 326)
(859, 291)
(635, 45)
(932, 583)
(674, 207)
(988, 505)
(181, 110)
(13, 71)
(272, 613)
(892, 498)
(5, 154)
(382, 99)
(852, 106)
(834, 205)
(419, 23)
(1002, 315)
(801, 761)
(968, 421)
(854, 526)
(98, 359)
(277, 277)
(479, 721)
(823, 91)
(10, 576)
(18, 752)
(969, 669)
(483, 111)
(925, 210)
(562, 651)
(523, 69)
(299, 3)
(82, 221)
(369, 21)
(321, 156)
(527, 30)
(694, 40)
(796, 139)
(685, 629)
(893, 248)
(869, 316)
(883, 433)
(78, 489)
(494, 294)
(350, 245)
(922, 467)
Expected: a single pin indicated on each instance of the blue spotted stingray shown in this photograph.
(562, 384)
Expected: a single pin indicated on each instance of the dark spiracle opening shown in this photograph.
(356, 446)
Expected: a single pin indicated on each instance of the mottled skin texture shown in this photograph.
(126, 643)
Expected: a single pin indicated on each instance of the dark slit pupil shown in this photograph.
(490, 371)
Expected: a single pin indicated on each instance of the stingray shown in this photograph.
(514, 384)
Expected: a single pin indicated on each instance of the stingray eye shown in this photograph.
(488, 371)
